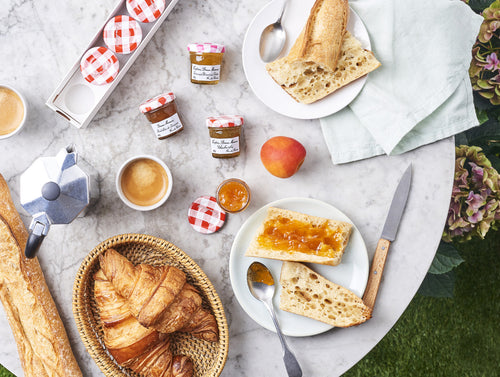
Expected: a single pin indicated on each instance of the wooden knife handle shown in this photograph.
(376, 270)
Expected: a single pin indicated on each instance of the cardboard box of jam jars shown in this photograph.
(109, 55)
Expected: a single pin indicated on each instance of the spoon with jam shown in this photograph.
(261, 285)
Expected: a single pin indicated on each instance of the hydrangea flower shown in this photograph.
(475, 198)
(485, 64)
(492, 62)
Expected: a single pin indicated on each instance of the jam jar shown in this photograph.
(206, 61)
(161, 111)
(233, 195)
(225, 133)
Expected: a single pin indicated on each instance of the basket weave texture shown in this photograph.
(208, 357)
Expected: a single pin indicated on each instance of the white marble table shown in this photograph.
(39, 42)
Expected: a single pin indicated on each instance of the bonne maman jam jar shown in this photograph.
(206, 62)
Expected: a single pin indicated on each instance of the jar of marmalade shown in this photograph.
(206, 61)
(161, 111)
(233, 195)
(225, 133)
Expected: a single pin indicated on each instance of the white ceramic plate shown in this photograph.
(263, 85)
(352, 273)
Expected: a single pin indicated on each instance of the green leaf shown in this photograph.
(487, 135)
(482, 116)
(441, 285)
(461, 139)
(446, 259)
(480, 5)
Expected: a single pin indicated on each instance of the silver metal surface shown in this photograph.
(64, 171)
(397, 206)
(265, 293)
(272, 39)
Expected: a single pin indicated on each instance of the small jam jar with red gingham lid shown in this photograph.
(161, 111)
(145, 10)
(225, 133)
(206, 61)
(99, 66)
(122, 34)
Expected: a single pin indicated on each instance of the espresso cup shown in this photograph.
(144, 182)
(11, 118)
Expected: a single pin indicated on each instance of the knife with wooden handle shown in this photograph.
(388, 235)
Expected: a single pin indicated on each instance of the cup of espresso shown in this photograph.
(144, 182)
(13, 108)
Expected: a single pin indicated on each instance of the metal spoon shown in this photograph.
(261, 285)
(272, 39)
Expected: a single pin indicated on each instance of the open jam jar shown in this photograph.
(206, 61)
(233, 195)
(161, 111)
(225, 133)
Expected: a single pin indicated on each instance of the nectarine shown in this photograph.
(282, 156)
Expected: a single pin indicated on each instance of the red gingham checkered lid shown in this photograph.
(225, 121)
(205, 215)
(156, 102)
(145, 10)
(99, 66)
(206, 47)
(122, 34)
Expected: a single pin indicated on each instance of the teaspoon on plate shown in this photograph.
(261, 285)
(272, 39)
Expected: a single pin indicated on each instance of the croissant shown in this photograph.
(159, 297)
(145, 351)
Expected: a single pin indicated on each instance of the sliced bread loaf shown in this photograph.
(308, 81)
(294, 236)
(307, 293)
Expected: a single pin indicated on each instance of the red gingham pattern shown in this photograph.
(156, 102)
(99, 66)
(122, 34)
(206, 47)
(145, 10)
(205, 215)
(225, 121)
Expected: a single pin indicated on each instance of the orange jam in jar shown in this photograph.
(291, 235)
(206, 62)
(233, 195)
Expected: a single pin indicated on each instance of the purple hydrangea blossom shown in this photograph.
(492, 62)
(475, 200)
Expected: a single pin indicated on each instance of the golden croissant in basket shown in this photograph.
(159, 297)
(145, 351)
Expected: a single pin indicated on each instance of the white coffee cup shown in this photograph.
(25, 110)
(141, 176)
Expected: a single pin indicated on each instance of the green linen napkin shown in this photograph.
(422, 92)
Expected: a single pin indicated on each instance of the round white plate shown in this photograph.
(266, 89)
(351, 273)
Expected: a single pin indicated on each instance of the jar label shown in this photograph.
(225, 146)
(205, 72)
(167, 126)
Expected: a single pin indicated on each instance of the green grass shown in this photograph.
(447, 337)
(4, 372)
(444, 337)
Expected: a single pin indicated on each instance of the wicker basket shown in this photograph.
(208, 358)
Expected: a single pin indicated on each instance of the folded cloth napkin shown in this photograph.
(422, 92)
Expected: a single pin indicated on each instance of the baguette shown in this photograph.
(321, 39)
(292, 236)
(42, 342)
(309, 294)
(309, 74)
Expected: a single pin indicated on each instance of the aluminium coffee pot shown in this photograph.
(55, 190)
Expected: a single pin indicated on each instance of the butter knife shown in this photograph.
(388, 235)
